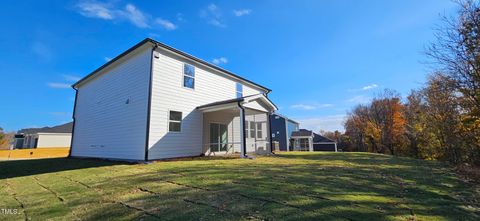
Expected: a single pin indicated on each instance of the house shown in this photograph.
(156, 102)
(306, 140)
(45, 137)
(282, 128)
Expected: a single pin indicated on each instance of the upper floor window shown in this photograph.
(175, 121)
(239, 90)
(188, 76)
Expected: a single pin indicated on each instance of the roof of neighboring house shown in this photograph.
(302, 133)
(285, 117)
(64, 128)
(159, 44)
(316, 137)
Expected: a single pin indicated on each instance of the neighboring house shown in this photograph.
(306, 140)
(156, 102)
(282, 128)
(46, 137)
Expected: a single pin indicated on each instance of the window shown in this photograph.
(239, 90)
(304, 144)
(259, 131)
(252, 129)
(188, 76)
(247, 124)
(175, 121)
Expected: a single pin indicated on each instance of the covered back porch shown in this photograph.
(237, 126)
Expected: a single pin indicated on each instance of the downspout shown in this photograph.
(149, 106)
(243, 146)
(270, 131)
(73, 124)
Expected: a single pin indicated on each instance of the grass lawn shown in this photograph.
(289, 186)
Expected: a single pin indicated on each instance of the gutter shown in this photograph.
(73, 125)
(149, 106)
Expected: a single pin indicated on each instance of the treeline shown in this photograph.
(441, 120)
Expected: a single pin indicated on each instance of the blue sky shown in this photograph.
(320, 58)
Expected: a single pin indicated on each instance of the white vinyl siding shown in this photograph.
(111, 110)
(168, 94)
(52, 140)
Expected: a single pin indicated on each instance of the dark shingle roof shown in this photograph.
(64, 128)
(302, 133)
(316, 137)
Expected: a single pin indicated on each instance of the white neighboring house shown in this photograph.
(156, 102)
(47, 137)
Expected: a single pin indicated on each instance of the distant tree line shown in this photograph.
(441, 120)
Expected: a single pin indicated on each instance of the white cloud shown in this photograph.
(359, 99)
(96, 10)
(213, 15)
(310, 106)
(242, 12)
(166, 24)
(220, 60)
(129, 13)
(71, 78)
(136, 17)
(60, 113)
(369, 87)
(58, 85)
(327, 123)
(107, 59)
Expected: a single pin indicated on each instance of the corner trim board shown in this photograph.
(149, 105)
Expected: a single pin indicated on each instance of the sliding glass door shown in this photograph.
(218, 137)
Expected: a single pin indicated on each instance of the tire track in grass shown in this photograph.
(220, 209)
(57, 195)
(100, 191)
(14, 196)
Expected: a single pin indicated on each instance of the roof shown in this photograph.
(236, 100)
(64, 128)
(159, 44)
(316, 137)
(285, 117)
(302, 133)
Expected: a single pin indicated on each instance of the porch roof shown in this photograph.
(225, 104)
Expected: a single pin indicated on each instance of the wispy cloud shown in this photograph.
(242, 12)
(213, 15)
(365, 88)
(359, 99)
(71, 78)
(129, 12)
(369, 87)
(327, 123)
(107, 59)
(57, 85)
(220, 60)
(96, 10)
(166, 24)
(60, 113)
(310, 106)
(135, 16)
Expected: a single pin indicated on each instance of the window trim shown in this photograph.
(259, 130)
(238, 91)
(185, 75)
(174, 121)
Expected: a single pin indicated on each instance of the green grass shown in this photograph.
(289, 186)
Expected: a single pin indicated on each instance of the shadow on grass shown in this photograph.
(19, 168)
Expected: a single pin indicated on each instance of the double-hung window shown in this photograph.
(239, 90)
(259, 131)
(174, 121)
(188, 76)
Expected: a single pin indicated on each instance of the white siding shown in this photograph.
(106, 126)
(54, 140)
(168, 93)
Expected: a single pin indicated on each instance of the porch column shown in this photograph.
(243, 142)
(310, 146)
(335, 146)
